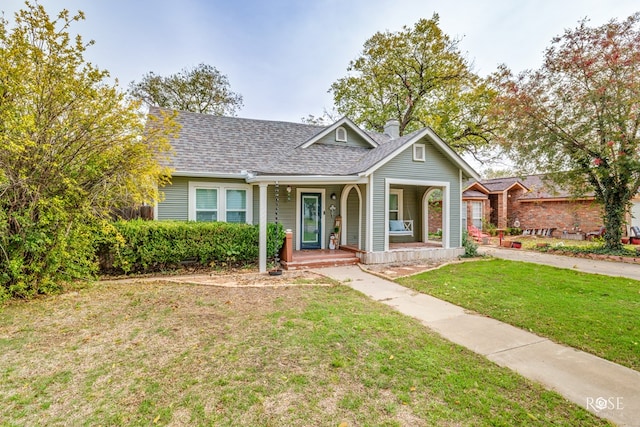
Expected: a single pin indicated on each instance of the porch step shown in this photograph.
(320, 258)
(319, 263)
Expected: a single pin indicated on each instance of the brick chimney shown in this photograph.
(392, 128)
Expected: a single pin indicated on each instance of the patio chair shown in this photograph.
(475, 233)
(597, 233)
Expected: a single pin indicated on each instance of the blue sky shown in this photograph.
(283, 55)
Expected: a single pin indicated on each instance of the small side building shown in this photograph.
(530, 204)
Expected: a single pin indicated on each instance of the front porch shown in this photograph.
(350, 255)
(410, 252)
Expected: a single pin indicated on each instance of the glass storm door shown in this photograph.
(311, 221)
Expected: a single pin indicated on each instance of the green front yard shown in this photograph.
(595, 313)
(165, 353)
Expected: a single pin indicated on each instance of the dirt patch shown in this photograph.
(239, 279)
(395, 270)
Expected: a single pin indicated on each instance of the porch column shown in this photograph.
(502, 222)
(262, 224)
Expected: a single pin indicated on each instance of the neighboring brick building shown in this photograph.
(528, 203)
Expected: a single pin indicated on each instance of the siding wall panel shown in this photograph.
(436, 167)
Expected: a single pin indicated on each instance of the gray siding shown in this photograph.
(436, 167)
(176, 200)
(329, 221)
(287, 207)
(363, 231)
(353, 139)
(353, 234)
(175, 205)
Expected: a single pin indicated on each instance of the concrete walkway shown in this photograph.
(611, 391)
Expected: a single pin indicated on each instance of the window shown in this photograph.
(212, 201)
(206, 204)
(395, 204)
(419, 153)
(236, 205)
(341, 134)
(476, 214)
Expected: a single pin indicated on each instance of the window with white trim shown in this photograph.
(212, 201)
(395, 204)
(476, 214)
(236, 205)
(419, 153)
(341, 134)
(206, 204)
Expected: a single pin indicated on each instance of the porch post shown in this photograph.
(262, 224)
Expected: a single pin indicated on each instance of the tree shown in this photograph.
(419, 77)
(577, 117)
(72, 149)
(327, 118)
(202, 89)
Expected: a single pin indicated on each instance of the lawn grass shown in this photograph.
(170, 354)
(595, 313)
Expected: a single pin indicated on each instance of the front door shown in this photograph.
(311, 221)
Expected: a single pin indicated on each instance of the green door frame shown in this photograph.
(310, 220)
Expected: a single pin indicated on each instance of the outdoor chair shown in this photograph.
(598, 233)
(475, 233)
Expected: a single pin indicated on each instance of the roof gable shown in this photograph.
(349, 126)
(389, 150)
(498, 185)
(476, 186)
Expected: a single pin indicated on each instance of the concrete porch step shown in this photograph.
(319, 262)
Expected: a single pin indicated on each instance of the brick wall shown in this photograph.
(435, 216)
(561, 215)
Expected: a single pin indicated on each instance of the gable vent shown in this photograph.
(341, 134)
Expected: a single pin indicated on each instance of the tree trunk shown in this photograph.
(613, 220)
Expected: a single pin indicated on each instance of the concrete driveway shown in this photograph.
(608, 268)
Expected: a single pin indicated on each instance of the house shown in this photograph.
(530, 204)
(377, 185)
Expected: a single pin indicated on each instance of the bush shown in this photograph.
(41, 247)
(148, 246)
(470, 247)
(514, 231)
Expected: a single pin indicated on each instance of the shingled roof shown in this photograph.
(535, 186)
(218, 145)
(229, 145)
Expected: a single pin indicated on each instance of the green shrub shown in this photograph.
(489, 228)
(147, 246)
(43, 246)
(514, 231)
(470, 247)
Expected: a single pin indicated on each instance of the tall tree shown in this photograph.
(72, 148)
(578, 116)
(202, 89)
(419, 77)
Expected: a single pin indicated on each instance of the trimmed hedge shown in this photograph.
(147, 246)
